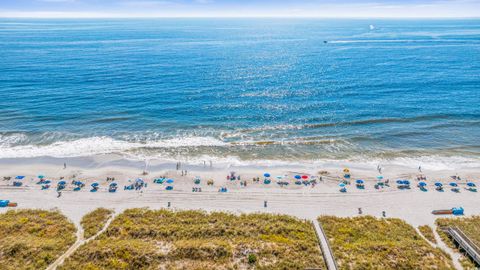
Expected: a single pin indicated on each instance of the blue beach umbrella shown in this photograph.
(422, 184)
(379, 177)
(19, 177)
(170, 181)
(298, 177)
(438, 184)
(113, 184)
(62, 183)
(266, 174)
(399, 182)
(48, 182)
(95, 185)
(406, 182)
(342, 185)
(470, 184)
(453, 184)
(360, 181)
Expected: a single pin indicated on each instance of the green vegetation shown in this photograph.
(370, 243)
(148, 239)
(469, 226)
(94, 221)
(427, 232)
(32, 239)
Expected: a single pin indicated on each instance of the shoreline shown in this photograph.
(301, 201)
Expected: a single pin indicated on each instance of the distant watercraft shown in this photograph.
(372, 27)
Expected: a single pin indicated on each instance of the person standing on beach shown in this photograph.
(64, 165)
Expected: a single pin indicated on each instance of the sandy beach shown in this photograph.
(304, 201)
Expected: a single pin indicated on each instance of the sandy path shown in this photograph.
(80, 241)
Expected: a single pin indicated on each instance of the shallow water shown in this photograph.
(243, 89)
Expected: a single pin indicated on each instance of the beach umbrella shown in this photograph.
(113, 184)
(266, 174)
(170, 181)
(304, 177)
(399, 182)
(19, 177)
(359, 181)
(342, 185)
(346, 170)
(62, 183)
(298, 177)
(48, 182)
(406, 182)
(470, 184)
(422, 184)
(41, 176)
(438, 184)
(453, 184)
(379, 177)
(279, 177)
(95, 185)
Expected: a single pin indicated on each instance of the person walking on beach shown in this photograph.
(420, 168)
(64, 165)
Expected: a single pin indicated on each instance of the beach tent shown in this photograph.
(266, 174)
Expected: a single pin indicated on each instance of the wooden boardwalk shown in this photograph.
(325, 246)
(465, 243)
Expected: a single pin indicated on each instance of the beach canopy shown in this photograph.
(298, 177)
(470, 184)
(266, 174)
(62, 183)
(19, 177)
(422, 184)
(170, 181)
(359, 181)
(342, 185)
(304, 176)
(453, 184)
(438, 184)
(95, 185)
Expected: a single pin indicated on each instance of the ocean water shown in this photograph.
(246, 89)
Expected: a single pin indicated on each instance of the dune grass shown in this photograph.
(94, 221)
(427, 232)
(371, 243)
(162, 239)
(32, 239)
(469, 226)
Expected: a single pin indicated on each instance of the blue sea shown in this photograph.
(247, 89)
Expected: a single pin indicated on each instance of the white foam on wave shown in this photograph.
(99, 145)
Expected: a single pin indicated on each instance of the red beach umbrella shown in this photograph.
(305, 177)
